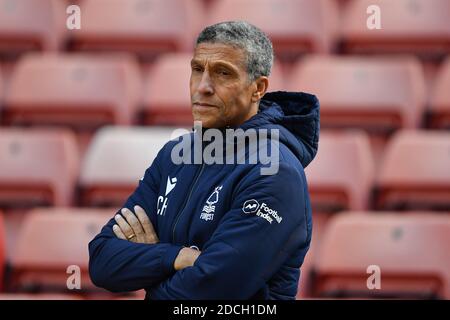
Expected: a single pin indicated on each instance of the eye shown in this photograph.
(223, 72)
(197, 68)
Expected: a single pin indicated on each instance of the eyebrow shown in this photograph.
(216, 63)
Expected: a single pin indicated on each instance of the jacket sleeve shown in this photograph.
(246, 249)
(119, 265)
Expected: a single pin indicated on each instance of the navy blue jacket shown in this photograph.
(253, 230)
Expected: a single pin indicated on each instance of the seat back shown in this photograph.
(415, 172)
(385, 255)
(341, 176)
(37, 167)
(376, 94)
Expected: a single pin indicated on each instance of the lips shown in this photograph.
(202, 104)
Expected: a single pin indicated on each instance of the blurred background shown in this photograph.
(84, 112)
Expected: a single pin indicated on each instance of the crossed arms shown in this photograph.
(137, 227)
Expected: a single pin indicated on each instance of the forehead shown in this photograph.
(216, 52)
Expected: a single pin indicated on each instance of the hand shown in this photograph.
(186, 258)
(135, 227)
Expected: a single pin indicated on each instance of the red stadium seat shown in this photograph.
(115, 161)
(439, 113)
(167, 100)
(145, 27)
(37, 167)
(376, 94)
(2, 250)
(31, 25)
(276, 78)
(341, 175)
(409, 250)
(415, 172)
(77, 90)
(320, 220)
(294, 26)
(419, 26)
(50, 241)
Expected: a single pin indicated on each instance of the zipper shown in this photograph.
(177, 218)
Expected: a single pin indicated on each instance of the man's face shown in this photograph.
(221, 93)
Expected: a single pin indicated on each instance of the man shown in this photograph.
(221, 230)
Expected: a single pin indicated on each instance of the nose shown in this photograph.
(206, 86)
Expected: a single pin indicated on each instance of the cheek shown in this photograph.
(192, 85)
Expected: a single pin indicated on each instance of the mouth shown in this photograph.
(203, 105)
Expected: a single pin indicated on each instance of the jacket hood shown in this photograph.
(298, 115)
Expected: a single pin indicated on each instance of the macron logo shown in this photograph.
(171, 183)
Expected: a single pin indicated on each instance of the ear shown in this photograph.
(260, 84)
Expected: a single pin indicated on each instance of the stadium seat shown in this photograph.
(31, 25)
(419, 26)
(409, 250)
(37, 167)
(376, 94)
(2, 250)
(415, 172)
(277, 78)
(115, 161)
(51, 240)
(320, 220)
(341, 175)
(439, 113)
(144, 27)
(294, 26)
(76, 90)
(167, 100)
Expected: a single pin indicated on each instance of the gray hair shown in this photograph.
(246, 36)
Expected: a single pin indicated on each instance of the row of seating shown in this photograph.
(362, 254)
(407, 250)
(43, 167)
(84, 91)
(149, 27)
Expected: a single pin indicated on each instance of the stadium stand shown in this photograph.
(376, 94)
(407, 248)
(144, 27)
(439, 112)
(294, 26)
(76, 90)
(420, 26)
(384, 144)
(44, 29)
(115, 161)
(38, 167)
(415, 172)
(341, 175)
(51, 240)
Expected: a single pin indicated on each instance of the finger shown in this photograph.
(145, 221)
(124, 226)
(147, 224)
(119, 234)
(133, 222)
